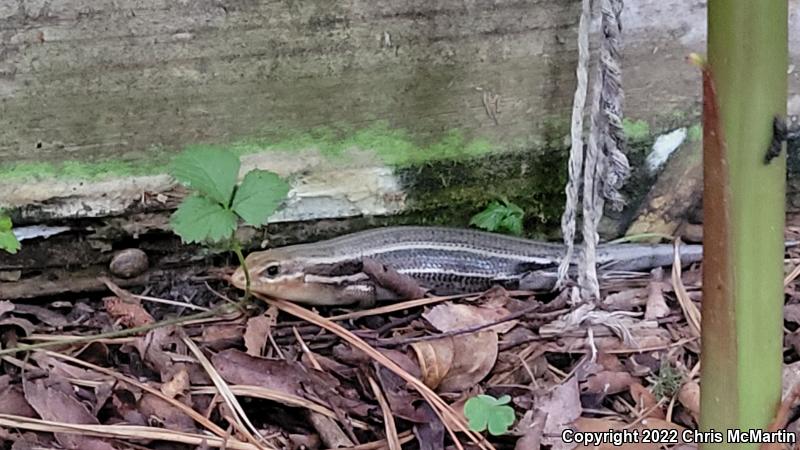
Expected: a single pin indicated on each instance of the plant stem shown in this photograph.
(237, 248)
(745, 86)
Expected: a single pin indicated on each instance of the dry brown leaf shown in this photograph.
(453, 364)
(656, 307)
(237, 367)
(222, 336)
(178, 383)
(532, 428)
(610, 362)
(25, 326)
(130, 315)
(6, 306)
(475, 355)
(603, 425)
(562, 405)
(689, 397)
(255, 333)
(607, 382)
(625, 300)
(44, 315)
(151, 348)
(13, 400)
(791, 312)
(453, 316)
(169, 416)
(54, 405)
(435, 359)
(646, 401)
(790, 377)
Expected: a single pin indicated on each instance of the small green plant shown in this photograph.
(8, 241)
(500, 216)
(667, 382)
(211, 214)
(486, 412)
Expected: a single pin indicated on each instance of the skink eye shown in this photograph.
(271, 271)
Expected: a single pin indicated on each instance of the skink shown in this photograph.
(442, 260)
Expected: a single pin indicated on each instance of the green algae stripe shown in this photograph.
(394, 147)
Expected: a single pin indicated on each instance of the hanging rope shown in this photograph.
(605, 167)
(576, 149)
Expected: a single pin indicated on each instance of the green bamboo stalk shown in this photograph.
(744, 216)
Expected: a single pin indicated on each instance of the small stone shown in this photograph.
(129, 263)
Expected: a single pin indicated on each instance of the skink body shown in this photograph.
(442, 260)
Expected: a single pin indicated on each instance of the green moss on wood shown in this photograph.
(635, 130)
(394, 147)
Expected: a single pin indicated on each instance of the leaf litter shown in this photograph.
(277, 375)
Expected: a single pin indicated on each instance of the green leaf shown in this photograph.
(8, 241)
(210, 171)
(486, 412)
(5, 223)
(258, 196)
(198, 219)
(505, 217)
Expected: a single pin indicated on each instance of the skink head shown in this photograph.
(282, 274)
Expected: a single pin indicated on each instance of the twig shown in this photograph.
(120, 333)
(474, 328)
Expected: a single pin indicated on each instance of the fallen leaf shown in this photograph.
(237, 367)
(656, 306)
(607, 382)
(452, 316)
(13, 399)
(255, 333)
(54, 405)
(44, 315)
(435, 359)
(532, 428)
(610, 361)
(130, 315)
(790, 377)
(562, 405)
(689, 397)
(151, 348)
(166, 415)
(646, 401)
(23, 325)
(625, 300)
(178, 384)
(6, 306)
(222, 336)
(604, 425)
(791, 312)
(452, 364)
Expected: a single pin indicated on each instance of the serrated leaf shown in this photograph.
(199, 219)
(212, 172)
(5, 223)
(503, 217)
(9, 242)
(485, 411)
(258, 196)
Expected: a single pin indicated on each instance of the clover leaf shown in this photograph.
(486, 412)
